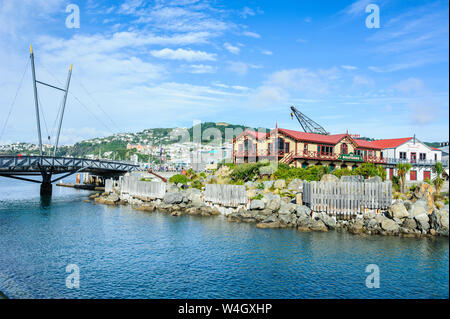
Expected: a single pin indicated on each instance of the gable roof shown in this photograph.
(326, 139)
(391, 143)
(254, 134)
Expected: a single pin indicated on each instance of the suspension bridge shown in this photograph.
(46, 166)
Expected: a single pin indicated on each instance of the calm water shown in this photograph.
(123, 253)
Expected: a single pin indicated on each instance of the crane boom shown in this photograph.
(308, 125)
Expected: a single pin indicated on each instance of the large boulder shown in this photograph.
(329, 221)
(352, 178)
(398, 210)
(439, 221)
(318, 225)
(296, 185)
(409, 223)
(375, 179)
(269, 225)
(257, 204)
(389, 225)
(356, 227)
(302, 210)
(273, 202)
(173, 198)
(418, 208)
(424, 190)
(329, 178)
(279, 184)
(422, 222)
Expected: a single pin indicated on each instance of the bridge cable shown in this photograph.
(14, 100)
(97, 104)
(43, 116)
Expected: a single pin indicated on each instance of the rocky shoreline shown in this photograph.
(415, 217)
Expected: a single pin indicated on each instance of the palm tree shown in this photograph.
(402, 169)
(438, 181)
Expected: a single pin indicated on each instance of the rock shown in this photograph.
(372, 225)
(273, 202)
(409, 223)
(268, 225)
(418, 208)
(356, 227)
(423, 190)
(422, 222)
(257, 204)
(287, 219)
(302, 210)
(268, 184)
(398, 210)
(370, 214)
(296, 185)
(286, 199)
(287, 208)
(329, 221)
(251, 193)
(389, 225)
(272, 218)
(352, 178)
(439, 221)
(318, 225)
(173, 198)
(250, 184)
(279, 184)
(375, 179)
(329, 178)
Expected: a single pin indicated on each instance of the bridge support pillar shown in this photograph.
(46, 189)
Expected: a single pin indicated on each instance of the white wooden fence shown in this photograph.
(336, 198)
(226, 195)
(135, 187)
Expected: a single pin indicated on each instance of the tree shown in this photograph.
(438, 181)
(402, 169)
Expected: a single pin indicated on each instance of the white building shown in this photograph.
(409, 150)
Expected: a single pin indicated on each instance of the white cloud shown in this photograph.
(266, 52)
(182, 54)
(231, 48)
(241, 68)
(349, 67)
(251, 34)
(201, 69)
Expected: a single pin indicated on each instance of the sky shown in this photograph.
(142, 64)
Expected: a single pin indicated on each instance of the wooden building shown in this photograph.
(302, 149)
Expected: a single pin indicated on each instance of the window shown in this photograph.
(269, 147)
(286, 147)
(435, 157)
(413, 175)
(305, 148)
(280, 144)
(325, 150)
(358, 152)
(402, 155)
(422, 156)
(344, 149)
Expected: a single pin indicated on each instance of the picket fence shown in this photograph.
(225, 195)
(336, 198)
(133, 186)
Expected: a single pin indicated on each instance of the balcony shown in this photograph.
(395, 161)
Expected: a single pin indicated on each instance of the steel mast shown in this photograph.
(308, 125)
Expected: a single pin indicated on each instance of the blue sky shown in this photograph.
(167, 63)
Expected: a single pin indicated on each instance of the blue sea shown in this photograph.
(123, 253)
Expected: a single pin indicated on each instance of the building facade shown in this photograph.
(410, 150)
(302, 149)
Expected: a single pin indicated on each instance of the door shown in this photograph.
(413, 176)
(413, 157)
(391, 173)
(426, 174)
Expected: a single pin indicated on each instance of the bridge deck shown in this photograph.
(33, 165)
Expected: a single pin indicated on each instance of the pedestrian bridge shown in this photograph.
(20, 167)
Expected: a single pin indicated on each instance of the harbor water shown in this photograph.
(123, 253)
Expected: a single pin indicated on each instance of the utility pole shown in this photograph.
(36, 104)
(63, 108)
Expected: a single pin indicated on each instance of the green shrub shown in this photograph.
(257, 197)
(178, 178)
(245, 172)
(339, 172)
(260, 186)
(197, 184)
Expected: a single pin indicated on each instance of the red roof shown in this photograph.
(391, 143)
(326, 139)
(311, 137)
